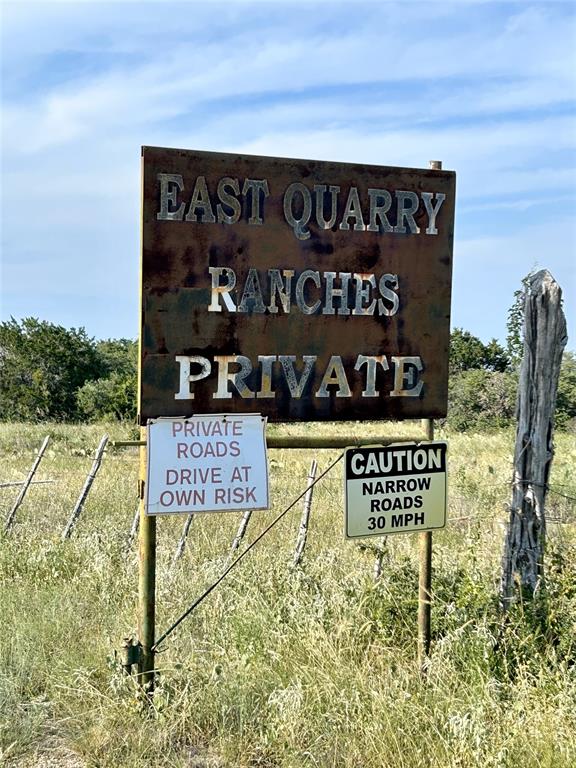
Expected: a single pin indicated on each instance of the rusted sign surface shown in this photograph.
(302, 290)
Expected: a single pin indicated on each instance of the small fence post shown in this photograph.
(244, 520)
(182, 543)
(380, 552)
(86, 489)
(26, 485)
(306, 507)
(425, 580)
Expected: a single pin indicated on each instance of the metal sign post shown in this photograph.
(425, 580)
(425, 571)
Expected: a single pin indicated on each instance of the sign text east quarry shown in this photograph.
(294, 288)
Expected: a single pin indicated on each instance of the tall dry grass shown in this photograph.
(280, 667)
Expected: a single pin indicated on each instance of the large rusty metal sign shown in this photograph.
(298, 289)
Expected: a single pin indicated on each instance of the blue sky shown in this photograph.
(488, 88)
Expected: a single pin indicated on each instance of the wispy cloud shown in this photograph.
(176, 76)
(488, 88)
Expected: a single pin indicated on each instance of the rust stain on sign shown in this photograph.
(303, 290)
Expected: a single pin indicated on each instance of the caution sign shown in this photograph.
(395, 489)
(210, 463)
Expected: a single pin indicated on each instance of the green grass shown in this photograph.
(280, 667)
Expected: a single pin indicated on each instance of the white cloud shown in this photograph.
(175, 79)
(487, 88)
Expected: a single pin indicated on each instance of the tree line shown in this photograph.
(52, 373)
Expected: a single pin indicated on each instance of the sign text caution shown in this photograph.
(395, 489)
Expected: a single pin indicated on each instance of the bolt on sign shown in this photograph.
(211, 463)
(299, 289)
(395, 489)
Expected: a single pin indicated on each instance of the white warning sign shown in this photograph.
(211, 463)
(399, 488)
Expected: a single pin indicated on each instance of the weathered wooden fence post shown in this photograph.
(86, 489)
(544, 340)
(182, 543)
(26, 485)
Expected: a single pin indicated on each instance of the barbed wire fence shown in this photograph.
(378, 548)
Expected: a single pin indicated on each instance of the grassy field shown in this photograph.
(299, 668)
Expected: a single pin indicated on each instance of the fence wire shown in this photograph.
(240, 557)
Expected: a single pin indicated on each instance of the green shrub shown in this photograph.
(111, 398)
(479, 399)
